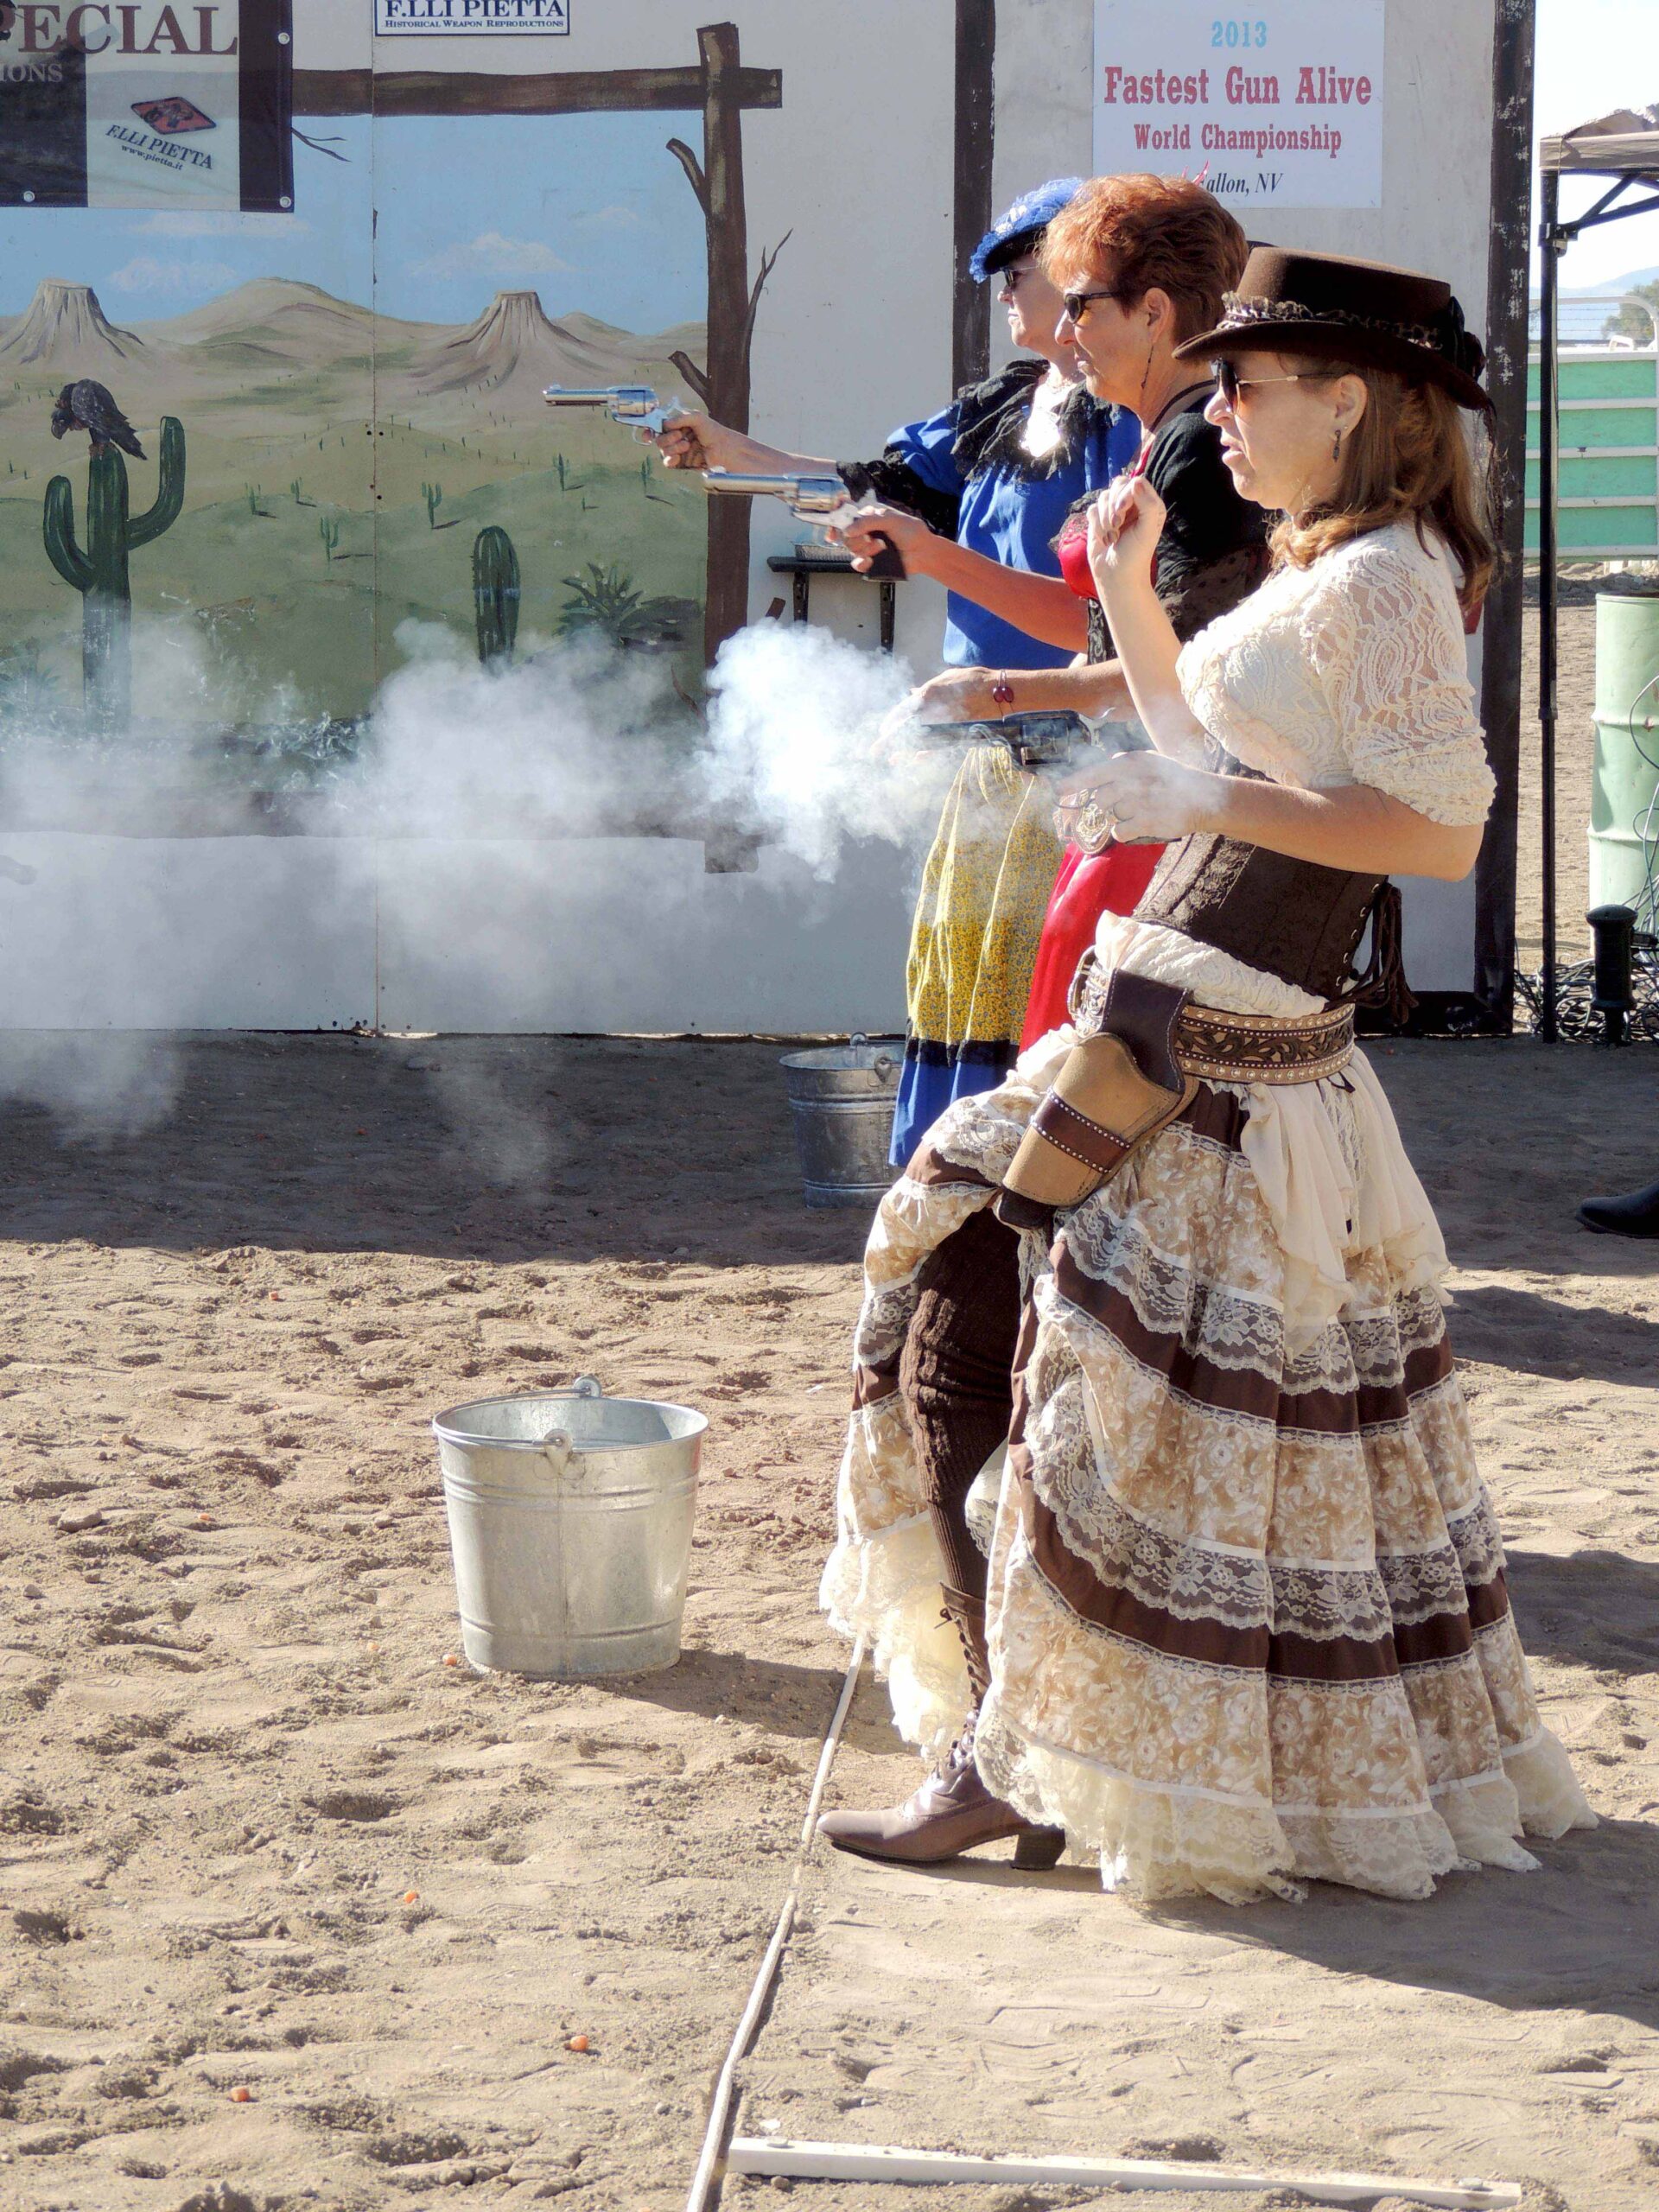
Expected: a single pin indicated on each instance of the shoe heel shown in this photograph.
(1039, 1849)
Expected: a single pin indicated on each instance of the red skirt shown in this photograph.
(1088, 885)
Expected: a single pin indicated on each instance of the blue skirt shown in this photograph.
(934, 1077)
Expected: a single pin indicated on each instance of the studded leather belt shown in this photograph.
(1220, 1047)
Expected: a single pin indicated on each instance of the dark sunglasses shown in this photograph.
(1077, 304)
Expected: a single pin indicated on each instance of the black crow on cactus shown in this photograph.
(90, 407)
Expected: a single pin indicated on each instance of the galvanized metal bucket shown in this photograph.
(570, 1529)
(841, 1099)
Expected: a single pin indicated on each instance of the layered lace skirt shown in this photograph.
(1247, 1609)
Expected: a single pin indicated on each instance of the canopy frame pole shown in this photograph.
(1552, 245)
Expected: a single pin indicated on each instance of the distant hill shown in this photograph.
(507, 355)
(515, 349)
(301, 321)
(66, 328)
(1627, 283)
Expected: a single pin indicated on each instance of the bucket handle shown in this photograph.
(882, 1065)
(557, 1447)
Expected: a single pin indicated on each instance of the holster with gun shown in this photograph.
(1115, 1092)
(1144, 1050)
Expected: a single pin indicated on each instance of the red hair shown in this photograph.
(1140, 232)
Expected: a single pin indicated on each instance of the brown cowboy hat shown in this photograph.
(1331, 307)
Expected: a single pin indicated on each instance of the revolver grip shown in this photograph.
(889, 562)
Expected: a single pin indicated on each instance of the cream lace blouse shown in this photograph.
(1352, 671)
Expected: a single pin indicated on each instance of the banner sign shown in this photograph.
(1277, 106)
(144, 103)
(431, 18)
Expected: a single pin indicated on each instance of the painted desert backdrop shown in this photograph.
(340, 465)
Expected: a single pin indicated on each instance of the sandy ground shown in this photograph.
(255, 1835)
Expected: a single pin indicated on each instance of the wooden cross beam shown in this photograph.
(567, 91)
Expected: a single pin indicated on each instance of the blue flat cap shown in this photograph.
(1022, 224)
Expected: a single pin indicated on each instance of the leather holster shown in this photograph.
(1114, 1092)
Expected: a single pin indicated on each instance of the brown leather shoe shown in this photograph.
(952, 1812)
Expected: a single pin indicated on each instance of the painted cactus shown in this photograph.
(495, 596)
(99, 572)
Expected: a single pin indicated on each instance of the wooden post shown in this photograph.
(975, 136)
(723, 386)
(728, 606)
(1507, 266)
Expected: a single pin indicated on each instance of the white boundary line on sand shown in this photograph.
(886, 2162)
(705, 2179)
(890, 2163)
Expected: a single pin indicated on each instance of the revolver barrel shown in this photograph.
(808, 498)
(611, 397)
(636, 405)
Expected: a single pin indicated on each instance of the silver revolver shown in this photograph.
(822, 500)
(636, 405)
(1040, 738)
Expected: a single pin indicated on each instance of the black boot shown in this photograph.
(1636, 1214)
(953, 1811)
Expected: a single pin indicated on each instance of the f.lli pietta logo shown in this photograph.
(167, 118)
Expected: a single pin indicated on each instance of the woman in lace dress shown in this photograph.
(1248, 1618)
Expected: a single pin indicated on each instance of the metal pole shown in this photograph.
(1548, 488)
(1504, 635)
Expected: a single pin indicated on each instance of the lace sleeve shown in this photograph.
(1386, 643)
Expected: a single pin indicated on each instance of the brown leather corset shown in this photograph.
(1297, 920)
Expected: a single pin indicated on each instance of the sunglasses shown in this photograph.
(1013, 278)
(1230, 384)
(1077, 304)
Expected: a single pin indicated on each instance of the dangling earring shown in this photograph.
(1146, 371)
(1336, 447)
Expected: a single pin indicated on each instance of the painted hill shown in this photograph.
(628, 345)
(515, 349)
(302, 322)
(510, 350)
(66, 328)
(512, 343)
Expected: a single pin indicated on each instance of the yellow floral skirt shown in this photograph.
(973, 942)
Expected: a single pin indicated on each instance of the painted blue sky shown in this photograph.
(591, 211)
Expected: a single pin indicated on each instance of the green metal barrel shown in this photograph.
(1627, 728)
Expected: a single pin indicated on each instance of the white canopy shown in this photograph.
(1624, 144)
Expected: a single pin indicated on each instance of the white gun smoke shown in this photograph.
(577, 741)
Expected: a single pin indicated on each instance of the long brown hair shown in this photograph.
(1409, 459)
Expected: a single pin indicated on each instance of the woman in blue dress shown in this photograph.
(998, 470)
